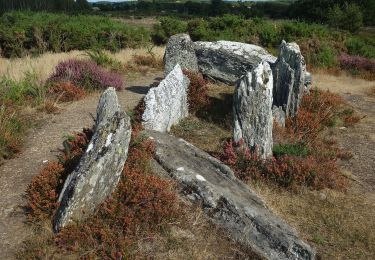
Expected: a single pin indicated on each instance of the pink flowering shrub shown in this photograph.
(356, 62)
(85, 74)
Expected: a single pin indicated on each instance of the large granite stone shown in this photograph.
(100, 168)
(228, 202)
(252, 110)
(167, 104)
(228, 61)
(289, 73)
(180, 50)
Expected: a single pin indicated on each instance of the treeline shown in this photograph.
(44, 5)
(343, 14)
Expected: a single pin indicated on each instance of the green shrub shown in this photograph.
(326, 57)
(103, 59)
(24, 33)
(168, 26)
(296, 149)
(361, 45)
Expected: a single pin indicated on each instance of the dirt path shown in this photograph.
(16, 174)
(359, 140)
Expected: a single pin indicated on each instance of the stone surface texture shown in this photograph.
(289, 73)
(252, 110)
(100, 168)
(228, 61)
(167, 104)
(180, 50)
(230, 203)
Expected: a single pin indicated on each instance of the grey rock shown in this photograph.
(166, 104)
(227, 61)
(252, 110)
(180, 50)
(289, 78)
(278, 115)
(228, 202)
(100, 168)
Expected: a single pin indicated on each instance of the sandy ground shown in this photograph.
(16, 174)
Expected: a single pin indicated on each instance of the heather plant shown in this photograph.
(85, 74)
(142, 203)
(357, 64)
(197, 94)
(65, 92)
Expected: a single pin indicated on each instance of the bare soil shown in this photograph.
(16, 174)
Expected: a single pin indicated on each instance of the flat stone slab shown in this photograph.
(227, 61)
(229, 202)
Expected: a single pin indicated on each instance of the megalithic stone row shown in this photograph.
(100, 168)
(252, 110)
(167, 104)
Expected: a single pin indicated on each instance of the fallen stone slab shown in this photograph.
(228, 61)
(252, 110)
(228, 202)
(100, 168)
(166, 104)
(180, 50)
(289, 73)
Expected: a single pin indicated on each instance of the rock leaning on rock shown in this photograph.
(167, 104)
(100, 168)
(228, 61)
(289, 78)
(180, 50)
(252, 110)
(230, 203)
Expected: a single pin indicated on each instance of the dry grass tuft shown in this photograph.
(340, 225)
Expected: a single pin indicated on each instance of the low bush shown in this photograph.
(66, 91)
(103, 59)
(148, 61)
(12, 131)
(85, 74)
(197, 95)
(286, 170)
(357, 64)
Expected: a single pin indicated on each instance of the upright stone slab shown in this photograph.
(228, 202)
(167, 104)
(228, 61)
(100, 168)
(180, 50)
(252, 109)
(289, 73)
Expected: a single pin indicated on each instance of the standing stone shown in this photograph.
(228, 61)
(289, 77)
(252, 109)
(180, 50)
(167, 104)
(100, 168)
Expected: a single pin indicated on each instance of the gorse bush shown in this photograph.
(85, 74)
(197, 94)
(24, 33)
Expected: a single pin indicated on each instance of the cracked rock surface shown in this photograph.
(167, 104)
(229, 202)
(100, 168)
(228, 61)
(180, 50)
(252, 110)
